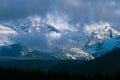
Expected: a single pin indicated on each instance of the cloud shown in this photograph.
(82, 11)
(74, 18)
(60, 22)
(14, 9)
(35, 40)
(89, 28)
(86, 11)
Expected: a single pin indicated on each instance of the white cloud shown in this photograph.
(59, 22)
(117, 12)
(55, 35)
(5, 35)
(72, 3)
(5, 30)
(89, 28)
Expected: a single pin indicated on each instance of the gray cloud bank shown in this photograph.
(15, 9)
(77, 10)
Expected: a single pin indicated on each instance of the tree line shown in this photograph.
(37, 74)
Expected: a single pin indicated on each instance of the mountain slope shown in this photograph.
(19, 51)
(45, 38)
(22, 52)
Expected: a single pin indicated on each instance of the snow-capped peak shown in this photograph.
(102, 34)
(102, 41)
(30, 25)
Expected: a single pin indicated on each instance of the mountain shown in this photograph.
(22, 52)
(31, 29)
(15, 51)
(29, 25)
(73, 54)
(51, 42)
(102, 41)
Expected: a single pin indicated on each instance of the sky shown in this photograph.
(82, 15)
(85, 11)
(76, 10)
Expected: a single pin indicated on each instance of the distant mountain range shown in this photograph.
(107, 64)
(15, 35)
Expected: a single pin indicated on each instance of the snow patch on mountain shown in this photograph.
(82, 54)
(74, 53)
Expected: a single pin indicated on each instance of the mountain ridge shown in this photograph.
(61, 43)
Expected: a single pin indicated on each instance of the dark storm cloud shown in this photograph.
(13, 9)
(82, 11)
(87, 11)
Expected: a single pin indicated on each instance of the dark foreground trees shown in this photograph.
(37, 74)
